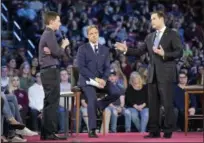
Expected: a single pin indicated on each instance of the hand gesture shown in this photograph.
(140, 107)
(159, 51)
(20, 107)
(119, 109)
(101, 82)
(136, 107)
(47, 50)
(65, 43)
(121, 46)
(191, 111)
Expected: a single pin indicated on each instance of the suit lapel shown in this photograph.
(152, 40)
(161, 42)
(90, 49)
(100, 49)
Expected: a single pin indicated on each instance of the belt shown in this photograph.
(50, 67)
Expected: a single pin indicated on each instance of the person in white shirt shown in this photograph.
(65, 86)
(36, 98)
(4, 78)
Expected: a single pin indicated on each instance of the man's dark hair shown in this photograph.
(183, 73)
(159, 13)
(51, 15)
(63, 69)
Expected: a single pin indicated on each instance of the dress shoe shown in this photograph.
(92, 134)
(167, 135)
(153, 135)
(52, 137)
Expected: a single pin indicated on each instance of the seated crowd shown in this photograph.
(23, 96)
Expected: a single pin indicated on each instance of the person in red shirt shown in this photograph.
(21, 95)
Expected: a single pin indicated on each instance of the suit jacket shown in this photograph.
(92, 65)
(163, 67)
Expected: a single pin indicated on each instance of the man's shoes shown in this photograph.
(167, 135)
(52, 137)
(152, 135)
(92, 134)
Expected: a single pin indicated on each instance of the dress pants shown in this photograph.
(50, 78)
(161, 94)
(90, 93)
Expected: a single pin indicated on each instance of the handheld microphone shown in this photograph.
(63, 35)
(67, 47)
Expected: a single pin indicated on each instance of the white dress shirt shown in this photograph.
(93, 46)
(36, 96)
(161, 32)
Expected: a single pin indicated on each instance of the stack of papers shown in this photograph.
(92, 82)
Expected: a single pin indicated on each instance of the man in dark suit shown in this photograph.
(163, 46)
(49, 52)
(94, 63)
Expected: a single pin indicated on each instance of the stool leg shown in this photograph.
(104, 123)
(66, 117)
(71, 122)
(186, 112)
(77, 112)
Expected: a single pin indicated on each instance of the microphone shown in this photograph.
(67, 47)
(63, 35)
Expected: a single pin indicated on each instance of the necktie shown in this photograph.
(95, 49)
(157, 40)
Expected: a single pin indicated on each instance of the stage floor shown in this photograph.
(128, 137)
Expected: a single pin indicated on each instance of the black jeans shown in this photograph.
(50, 78)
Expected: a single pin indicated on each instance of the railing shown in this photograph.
(17, 34)
(4, 16)
(18, 37)
(17, 28)
(31, 48)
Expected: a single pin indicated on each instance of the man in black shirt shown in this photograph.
(50, 74)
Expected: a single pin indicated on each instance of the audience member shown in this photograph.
(36, 98)
(136, 102)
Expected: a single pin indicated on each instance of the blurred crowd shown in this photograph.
(118, 20)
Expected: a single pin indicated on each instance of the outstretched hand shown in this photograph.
(121, 46)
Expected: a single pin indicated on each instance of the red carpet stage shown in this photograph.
(129, 137)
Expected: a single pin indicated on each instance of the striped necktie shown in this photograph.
(95, 49)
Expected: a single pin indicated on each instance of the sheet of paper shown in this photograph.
(92, 82)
